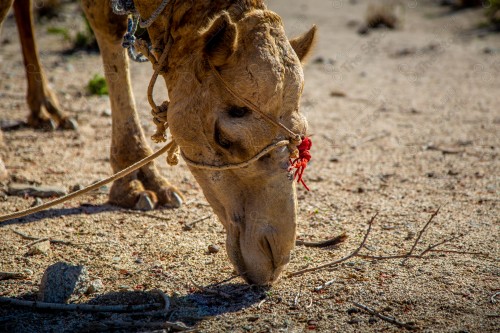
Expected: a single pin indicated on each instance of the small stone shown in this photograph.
(319, 60)
(106, 112)
(28, 272)
(337, 93)
(42, 191)
(124, 287)
(351, 311)
(144, 203)
(95, 286)
(40, 248)
(3, 171)
(77, 187)
(63, 282)
(312, 324)
(37, 202)
(213, 249)
(354, 321)
(363, 30)
(139, 261)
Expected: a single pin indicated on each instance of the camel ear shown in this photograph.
(220, 40)
(303, 44)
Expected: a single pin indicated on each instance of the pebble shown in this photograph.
(28, 272)
(95, 286)
(213, 249)
(354, 321)
(3, 171)
(106, 113)
(351, 311)
(40, 248)
(37, 202)
(63, 282)
(76, 187)
(42, 191)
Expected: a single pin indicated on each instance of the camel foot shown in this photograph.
(47, 115)
(145, 190)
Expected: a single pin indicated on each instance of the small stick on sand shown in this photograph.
(53, 241)
(211, 291)
(493, 297)
(78, 307)
(191, 225)
(12, 276)
(109, 325)
(330, 242)
(336, 262)
(324, 285)
(420, 235)
(389, 319)
(404, 256)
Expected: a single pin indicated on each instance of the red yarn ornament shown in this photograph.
(300, 163)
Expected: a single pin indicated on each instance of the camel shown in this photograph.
(243, 45)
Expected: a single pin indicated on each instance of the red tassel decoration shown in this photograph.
(300, 163)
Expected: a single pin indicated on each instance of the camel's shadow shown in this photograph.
(188, 310)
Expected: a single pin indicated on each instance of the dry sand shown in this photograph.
(403, 122)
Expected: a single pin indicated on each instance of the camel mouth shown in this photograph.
(256, 265)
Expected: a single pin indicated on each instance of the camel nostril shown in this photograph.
(268, 250)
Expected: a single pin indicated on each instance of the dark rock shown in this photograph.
(63, 282)
(213, 249)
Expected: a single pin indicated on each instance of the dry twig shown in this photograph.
(330, 242)
(324, 285)
(191, 225)
(51, 240)
(404, 256)
(12, 276)
(333, 263)
(78, 307)
(211, 291)
(420, 235)
(493, 297)
(109, 325)
(389, 319)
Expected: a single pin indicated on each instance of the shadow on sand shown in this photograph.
(188, 310)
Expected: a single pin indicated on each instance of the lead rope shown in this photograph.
(297, 146)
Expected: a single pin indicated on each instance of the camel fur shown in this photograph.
(247, 45)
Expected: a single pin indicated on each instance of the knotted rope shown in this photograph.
(297, 146)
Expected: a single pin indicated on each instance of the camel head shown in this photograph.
(257, 204)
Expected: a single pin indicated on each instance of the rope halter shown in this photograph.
(298, 146)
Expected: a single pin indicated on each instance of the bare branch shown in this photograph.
(109, 325)
(211, 291)
(420, 235)
(12, 276)
(336, 262)
(78, 307)
(330, 242)
(389, 319)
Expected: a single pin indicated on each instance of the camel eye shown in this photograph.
(238, 112)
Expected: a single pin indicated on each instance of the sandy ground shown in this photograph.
(403, 122)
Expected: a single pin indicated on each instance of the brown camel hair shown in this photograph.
(247, 45)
